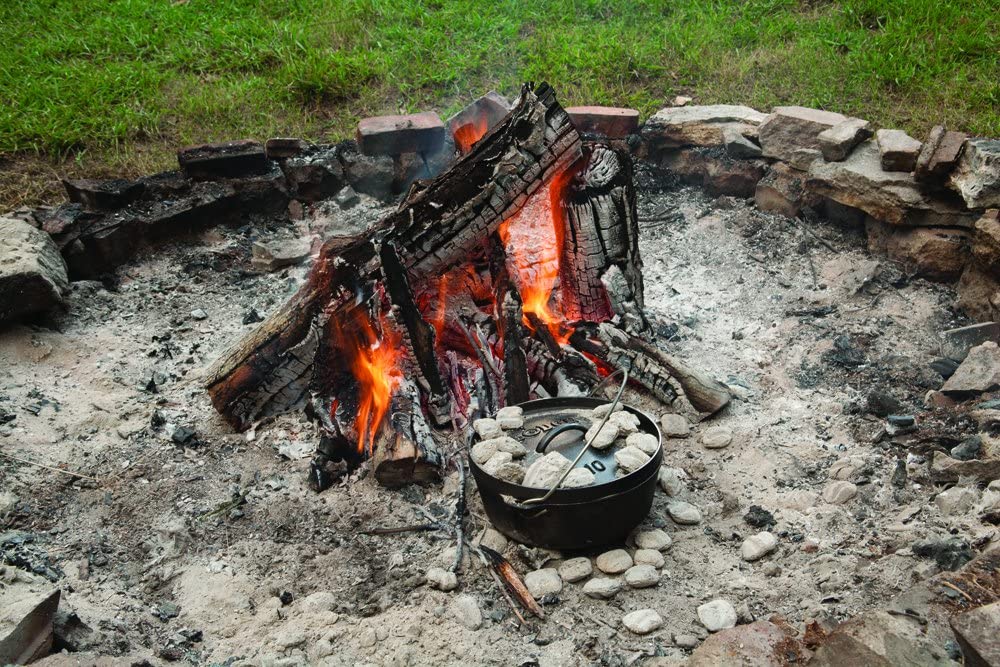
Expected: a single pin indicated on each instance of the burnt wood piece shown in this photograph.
(438, 226)
(509, 317)
(601, 270)
(663, 375)
(405, 452)
(570, 374)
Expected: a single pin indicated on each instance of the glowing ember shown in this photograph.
(467, 135)
(373, 362)
(533, 238)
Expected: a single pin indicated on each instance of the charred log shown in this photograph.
(509, 317)
(405, 451)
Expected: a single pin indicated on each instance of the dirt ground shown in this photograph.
(217, 552)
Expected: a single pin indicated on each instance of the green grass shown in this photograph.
(122, 83)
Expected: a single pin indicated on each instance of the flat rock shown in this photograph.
(837, 142)
(698, 125)
(839, 492)
(487, 429)
(978, 632)
(103, 195)
(879, 639)
(228, 159)
(715, 171)
(33, 274)
(465, 610)
(671, 481)
(611, 122)
(893, 197)
(760, 643)
(442, 579)
(602, 588)
(674, 426)
(956, 500)
(978, 373)
(717, 437)
(642, 621)
(543, 473)
(737, 145)
(615, 561)
(938, 253)
(653, 539)
(717, 615)
(477, 118)
(939, 155)
(649, 557)
(647, 443)
(757, 546)
(576, 569)
(393, 135)
(897, 149)
(630, 459)
(683, 513)
(641, 576)
(788, 130)
(603, 438)
(543, 582)
(977, 176)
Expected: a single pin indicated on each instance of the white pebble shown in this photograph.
(483, 450)
(576, 569)
(641, 576)
(716, 437)
(578, 477)
(717, 615)
(683, 513)
(671, 481)
(757, 546)
(630, 459)
(615, 561)
(544, 472)
(602, 588)
(649, 557)
(674, 426)
(442, 579)
(642, 621)
(542, 582)
(653, 539)
(603, 439)
(510, 417)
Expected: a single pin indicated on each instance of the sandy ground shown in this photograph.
(184, 552)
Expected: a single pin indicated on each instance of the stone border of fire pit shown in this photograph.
(930, 205)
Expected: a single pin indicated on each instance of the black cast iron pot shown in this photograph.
(571, 519)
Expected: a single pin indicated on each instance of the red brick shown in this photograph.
(612, 122)
(394, 135)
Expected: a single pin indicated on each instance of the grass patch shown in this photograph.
(124, 82)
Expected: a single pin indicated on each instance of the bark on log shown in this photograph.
(405, 451)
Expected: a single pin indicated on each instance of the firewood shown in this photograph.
(405, 451)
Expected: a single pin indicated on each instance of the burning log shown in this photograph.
(510, 315)
(405, 452)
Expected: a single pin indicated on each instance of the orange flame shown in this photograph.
(532, 238)
(373, 360)
(467, 135)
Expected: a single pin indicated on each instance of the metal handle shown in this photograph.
(551, 435)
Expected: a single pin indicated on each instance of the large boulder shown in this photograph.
(977, 176)
(704, 126)
(32, 272)
(792, 134)
(889, 196)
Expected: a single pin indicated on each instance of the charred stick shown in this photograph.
(542, 333)
(512, 580)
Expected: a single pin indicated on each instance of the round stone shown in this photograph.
(683, 513)
(671, 481)
(465, 610)
(653, 539)
(717, 615)
(615, 561)
(648, 557)
(542, 582)
(717, 437)
(642, 621)
(642, 576)
(674, 426)
(839, 492)
(757, 546)
(602, 588)
(493, 539)
(442, 579)
(646, 442)
(576, 569)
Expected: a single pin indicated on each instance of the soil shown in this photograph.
(214, 550)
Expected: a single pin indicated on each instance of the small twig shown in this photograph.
(813, 234)
(42, 465)
(401, 529)
(948, 584)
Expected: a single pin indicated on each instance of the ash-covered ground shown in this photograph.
(196, 544)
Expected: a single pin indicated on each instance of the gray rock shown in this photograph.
(627, 422)
(980, 372)
(683, 513)
(674, 426)
(737, 145)
(897, 149)
(968, 449)
(686, 641)
(641, 576)
(346, 197)
(279, 253)
(956, 343)
(465, 610)
(544, 472)
(642, 621)
(647, 443)
(790, 129)
(630, 459)
(879, 639)
(493, 539)
(893, 197)
(543, 582)
(198, 314)
(757, 546)
(837, 142)
(839, 492)
(32, 272)
(615, 561)
(649, 557)
(653, 539)
(978, 631)
(442, 579)
(699, 125)
(977, 176)
(602, 588)
(717, 615)
(956, 500)
(671, 481)
(576, 569)
(716, 437)
(373, 175)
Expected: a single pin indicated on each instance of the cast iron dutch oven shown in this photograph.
(571, 519)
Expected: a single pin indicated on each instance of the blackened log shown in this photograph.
(569, 374)
(405, 452)
(509, 317)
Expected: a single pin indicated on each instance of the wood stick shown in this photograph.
(42, 465)
(512, 580)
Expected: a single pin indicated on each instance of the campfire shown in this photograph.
(514, 274)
